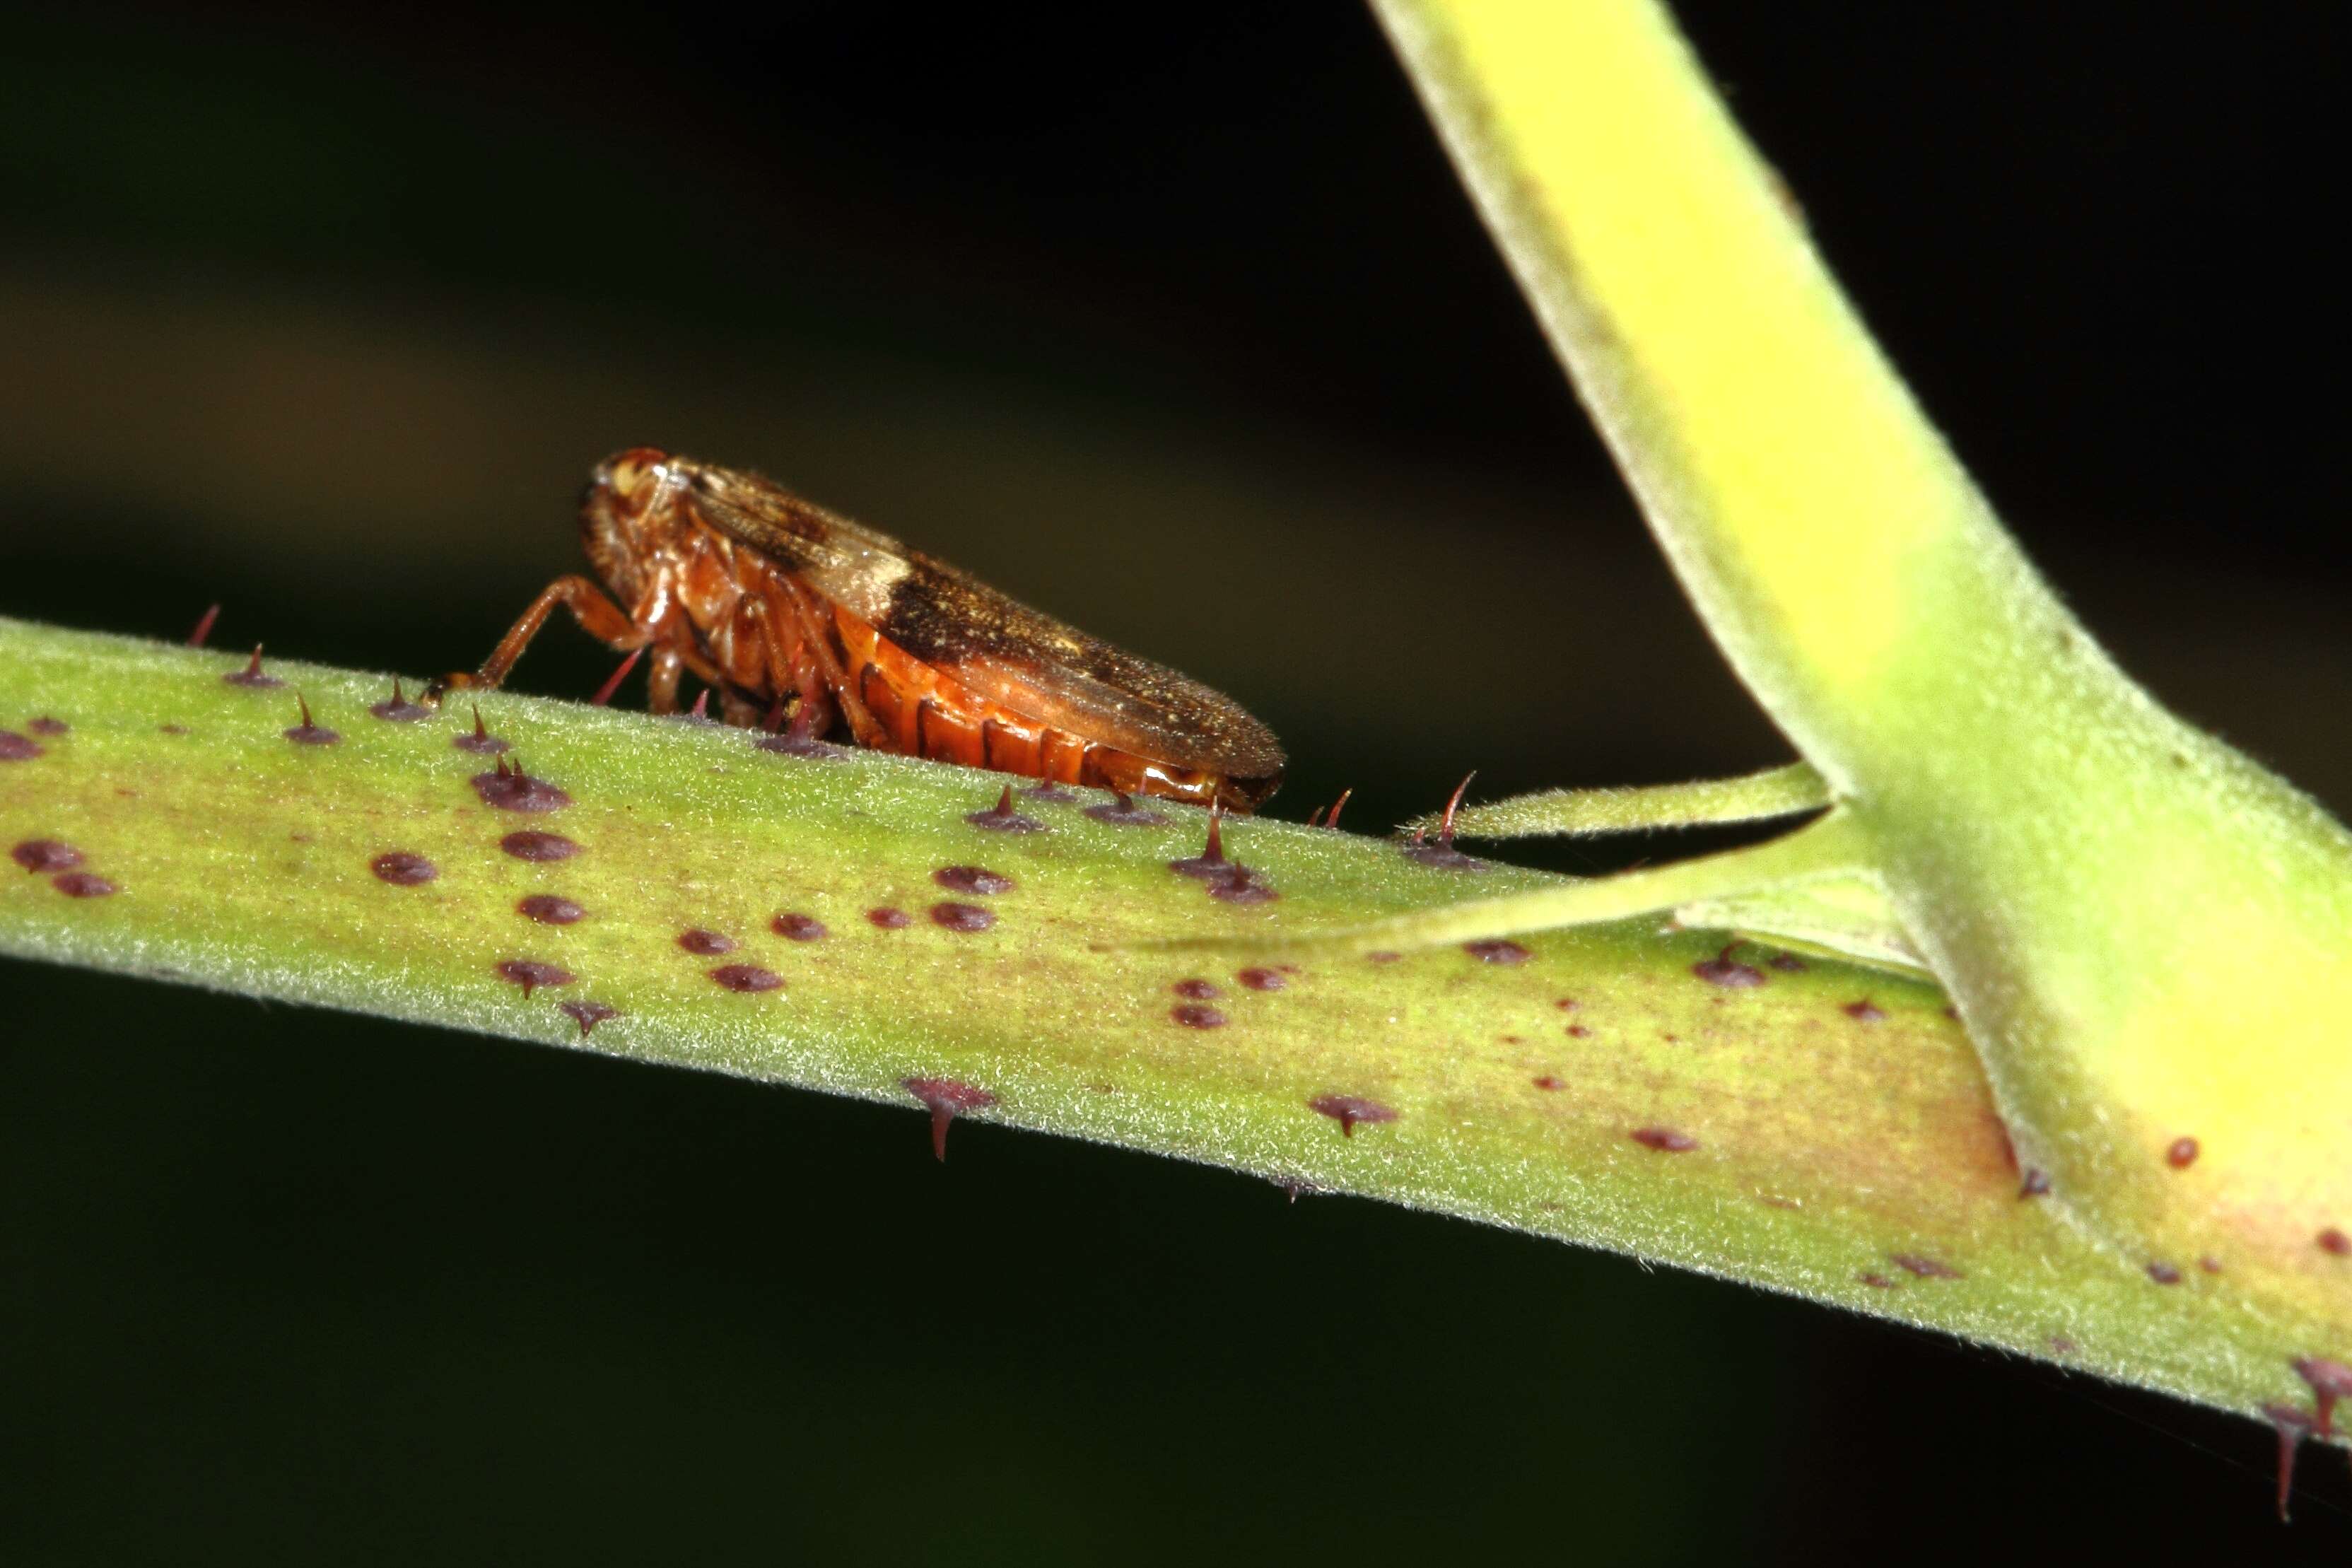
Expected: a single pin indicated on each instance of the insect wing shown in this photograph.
(1002, 650)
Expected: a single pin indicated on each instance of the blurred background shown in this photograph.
(325, 312)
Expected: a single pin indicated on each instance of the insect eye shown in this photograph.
(629, 476)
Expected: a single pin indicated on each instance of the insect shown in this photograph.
(787, 609)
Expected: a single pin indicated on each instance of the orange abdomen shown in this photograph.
(925, 711)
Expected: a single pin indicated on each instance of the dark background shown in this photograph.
(327, 318)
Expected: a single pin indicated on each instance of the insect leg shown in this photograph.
(862, 722)
(793, 668)
(661, 686)
(597, 614)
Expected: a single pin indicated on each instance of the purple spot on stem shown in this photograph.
(946, 1098)
(402, 869)
(747, 977)
(1348, 1109)
(971, 879)
(588, 1015)
(1722, 970)
(530, 974)
(529, 845)
(45, 855)
(511, 789)
(798, 928)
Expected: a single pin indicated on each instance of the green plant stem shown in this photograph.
(2148, 936)
(1579, 812)
(1815, 1129)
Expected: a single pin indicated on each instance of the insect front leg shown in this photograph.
(661, 685)
(597, 614)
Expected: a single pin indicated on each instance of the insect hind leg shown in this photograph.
(597, 614)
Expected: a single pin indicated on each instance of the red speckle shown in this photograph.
(511, 789)
(708, 944)
(251, 676)
(1261, 980)
(2035, 1184)
(2182, 1154)
(797, 928)
(530, 974)
(402, 869)
(2164, 1273)
(539, 847)
(1876, 1281)
(2060, 1344)
(1567, 1004)
(1051, 794)
(1665, 1140)
(1002, 818)
(1924, 1266)
(1347, 1110)
(1722, 970)
(481, 742)
(172, 729)
(44, 855)
(1787, 963)
(1864, 1012)
(16, 748)
(971, 879)
(962, 917)
(81, 884)
(1195, 1016)
(1498, 952)
(2335, 1242)
(588, 1015)
(888, 919)
(2330, 1381)
(2210, 1263)
(747, 977)
(398, 709)
(549, 910)
(946, 1098)
(1383, 956)
(1198, 990)
(1577, 1032)
(1548, 1081)
(1121, 811)
(45, 725)
(2293, 1427)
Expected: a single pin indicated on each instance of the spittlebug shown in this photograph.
(786, 608)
